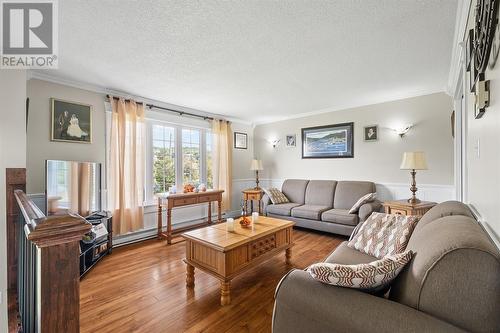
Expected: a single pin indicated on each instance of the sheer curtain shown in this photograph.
(222, 160)
(126, 170)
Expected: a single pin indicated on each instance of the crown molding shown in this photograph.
(368, 102)
(457, 52)
(103, 90)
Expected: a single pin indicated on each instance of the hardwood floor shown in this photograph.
(141, 288)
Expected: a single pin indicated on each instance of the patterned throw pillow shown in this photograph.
(363, 276)
(364, 199)
(384, 234)
(276, 196)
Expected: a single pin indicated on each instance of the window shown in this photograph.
(163, 158)
(177, 155)
(191, 156)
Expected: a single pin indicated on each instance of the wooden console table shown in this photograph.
(186, 199)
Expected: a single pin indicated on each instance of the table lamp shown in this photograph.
(256, 166)
(414, 160)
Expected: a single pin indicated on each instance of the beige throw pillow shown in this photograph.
(364, 199)
(384, 234)
(276, 196)
(363, 276)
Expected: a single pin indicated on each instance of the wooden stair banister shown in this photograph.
(57, 239)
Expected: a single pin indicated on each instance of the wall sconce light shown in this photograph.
(274, 142)
(401, 131)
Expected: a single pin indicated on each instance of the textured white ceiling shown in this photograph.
(259, 60)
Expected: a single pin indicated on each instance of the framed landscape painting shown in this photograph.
(331, 141)
(70, 121)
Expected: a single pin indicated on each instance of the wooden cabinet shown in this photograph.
(403, 207)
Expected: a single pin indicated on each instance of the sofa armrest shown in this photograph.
(368, 208)
(305, 305)
(265, 202)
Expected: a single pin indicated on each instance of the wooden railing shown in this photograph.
(43, 272)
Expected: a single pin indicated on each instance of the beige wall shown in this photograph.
(376, 161)
(242, 158)
(483, 152)
(40, 148)
(12, 155)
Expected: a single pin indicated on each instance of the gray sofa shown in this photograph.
(452, 284)
(323, 204)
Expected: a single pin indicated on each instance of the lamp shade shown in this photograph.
(256, 165)
(414, 160)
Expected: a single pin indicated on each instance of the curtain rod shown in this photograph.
(180, 113)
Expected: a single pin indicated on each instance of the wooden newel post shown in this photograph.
(58, 275)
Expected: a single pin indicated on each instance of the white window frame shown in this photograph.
(150, 197)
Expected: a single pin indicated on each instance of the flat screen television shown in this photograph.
(73, 187)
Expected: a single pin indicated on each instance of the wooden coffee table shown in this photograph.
(225, 254)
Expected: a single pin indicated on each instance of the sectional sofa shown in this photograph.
(323, 204)
(452, 284)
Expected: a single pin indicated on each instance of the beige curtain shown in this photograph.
(222, 146)
(126, 170)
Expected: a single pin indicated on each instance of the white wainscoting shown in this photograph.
(395, 191)
(184, 216)
(484, 223)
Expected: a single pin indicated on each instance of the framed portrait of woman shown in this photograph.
(70, 121)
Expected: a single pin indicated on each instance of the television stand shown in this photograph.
(91, 254)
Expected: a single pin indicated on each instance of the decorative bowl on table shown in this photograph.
(245, 222)
(188, 188)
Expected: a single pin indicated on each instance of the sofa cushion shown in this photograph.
(281, 209)
(348, 192)
(341, 216)
(384, 234)
(453, 275)
(368, 276)
(343, 254)
(361, 201)
(312, 212)
(276, 196)
(320, 192)
(295, 190)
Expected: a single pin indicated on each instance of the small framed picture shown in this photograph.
(371, 133)
(291, 140)
(240, 140)
(70, 121)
